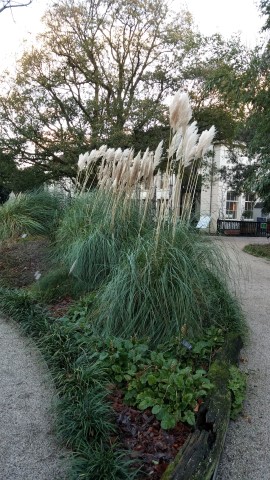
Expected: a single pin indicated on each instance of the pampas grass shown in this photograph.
(95, 231)
(136, 176)
(159, 287)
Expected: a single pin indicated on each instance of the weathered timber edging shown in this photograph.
(198, 459)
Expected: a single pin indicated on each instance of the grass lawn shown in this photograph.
(258, 250)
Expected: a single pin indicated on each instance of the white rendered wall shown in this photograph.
(214, 191)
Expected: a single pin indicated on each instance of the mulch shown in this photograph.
(152, 448)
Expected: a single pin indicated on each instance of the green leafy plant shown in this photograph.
(237, 386)
(124, 358)
(194, 351)
(169, 390)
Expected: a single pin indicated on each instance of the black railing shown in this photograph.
(242, 227)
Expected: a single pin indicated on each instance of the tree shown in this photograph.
(256, 130)
(100, 75)
(5, 4)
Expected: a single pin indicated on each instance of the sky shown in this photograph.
(227, 17)
(19, 26)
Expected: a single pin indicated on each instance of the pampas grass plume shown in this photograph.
(180, 111)
(205, 141)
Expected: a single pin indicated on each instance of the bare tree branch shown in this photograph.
(12, 4)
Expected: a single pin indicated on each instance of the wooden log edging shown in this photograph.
(199, 457)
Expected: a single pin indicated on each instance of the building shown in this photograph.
(219, 202)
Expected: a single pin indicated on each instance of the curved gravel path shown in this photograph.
(246, 454)
(28, 447)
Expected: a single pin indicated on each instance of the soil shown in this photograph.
(151, 447)
(21, 260)
(60, 307)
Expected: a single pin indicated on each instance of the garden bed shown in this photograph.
(199, 458)
(132, 322)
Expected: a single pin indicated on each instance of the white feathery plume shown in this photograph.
(101, 169)
(118, 154)
(109, 155)
(125, 171)
(102, 149)
(135, 169)
(180, 111)
(150, 173)
(176, 140)
(190, 131)
(82, 161)
(119, 170)
(158, 154)
(205, 141)
(144, 163)
(191, 155)
(158, 180)
(190, 142)
(127, 152)
(92, 156)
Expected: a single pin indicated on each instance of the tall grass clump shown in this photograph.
(94, 233)
(159, 288)
(33, 213)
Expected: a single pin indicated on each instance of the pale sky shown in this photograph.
(227, 17)
(19, 26)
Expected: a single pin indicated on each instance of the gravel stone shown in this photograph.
(246, 454)
(28, 446)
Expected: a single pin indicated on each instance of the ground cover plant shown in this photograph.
(147, 305)
(101, 383)
(258, 250)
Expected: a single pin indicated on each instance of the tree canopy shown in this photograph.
(101, 73)
(255, 130)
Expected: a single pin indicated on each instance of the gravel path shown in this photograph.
(246, 454)
(28, 448)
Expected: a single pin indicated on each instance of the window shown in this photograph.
(249, 205)
(231, 205)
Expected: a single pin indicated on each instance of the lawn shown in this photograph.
(258, 250)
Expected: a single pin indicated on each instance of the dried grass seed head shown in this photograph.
(82, 161)
(205, 141)
(158, 154)
(180, 111)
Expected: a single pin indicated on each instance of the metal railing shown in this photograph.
(242, 227)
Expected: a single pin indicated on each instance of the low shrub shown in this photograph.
(33, 213)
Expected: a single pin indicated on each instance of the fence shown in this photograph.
(235, 227)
